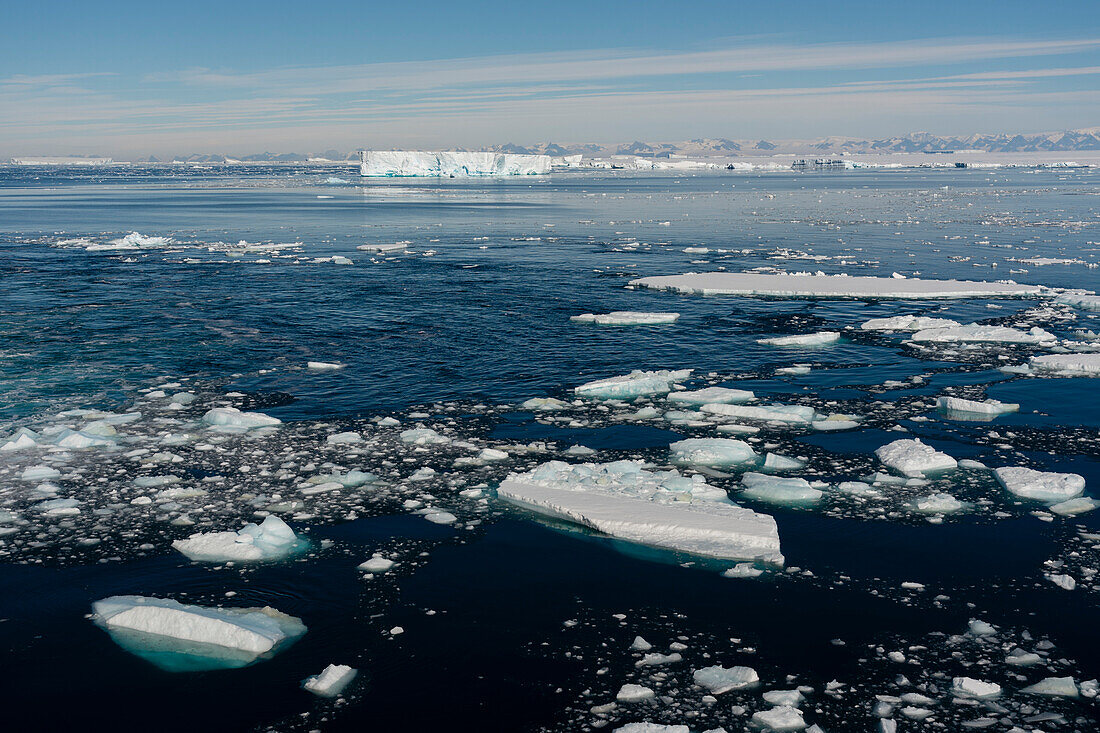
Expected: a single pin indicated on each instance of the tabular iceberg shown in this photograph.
(453, 164)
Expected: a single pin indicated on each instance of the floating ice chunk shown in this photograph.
(977, 627)
(794, 371)
(133, 240)
(776, 490)
(777, 462)
(780, 718)
(324, 366)
(423, 436)
(913, 458)
(59, 507)
(344, 438)
(907, 323)
(1053, 687)
(1086, 302)
(794, 414)
(180, 637)
(377, 564)
(1020, 658)
(1087, 365)
(384, 248)
(634, 693)
(663, 510)
(1046, 486)
(39, 473)
(652, 728)
(743, 570)
(735, 429)
(440, 517)
(939, 503)
(1063, 581)
(21, 439)
(711, 395)
(972, 410)
(640, 645)
(332, 681)
(77, 440)
(626, 318)
(544, 404)
(234, 418)
(657, 659)
(719, 679)
(712, 452)
(972, 688)
(823, 338)
(271, 540)
(857, 488)
(973, 333)
(636, 384)
(492, 454)
(804, 285)
(1072, 507)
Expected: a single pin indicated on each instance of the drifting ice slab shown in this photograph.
(626, 502)
(635, 384)
(626, 318)
(1046, 486)
(271, 540)
(332, 681)
(179, 637)
(832, 286)
(1068, 365)
(455, 164)
(914, 458)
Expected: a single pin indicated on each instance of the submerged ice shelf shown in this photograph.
(665, 510)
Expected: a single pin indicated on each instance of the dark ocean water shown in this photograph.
(473, 318)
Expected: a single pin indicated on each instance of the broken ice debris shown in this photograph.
(911, 457)
(664, 510)
(636, 384)
(231, 417)
(332, 680)
(1046, 486)
(822, 338)
(178, 637)
(626, 318)
(805, 285)
(719, 679)
(273, 539)
(712, 452)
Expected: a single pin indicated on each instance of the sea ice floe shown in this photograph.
(777, 462)
(652, 728)
(743, 570)
(544, 404)
(939, 503)
(805, 285)
(974, 333)
(1072, 507)
(1053, 687)
(718, 679)
(1045, 486)
(180, 637)
(794, 414)
(973, 410)
(913, 458)
(331, 681)
(377, 564)
(782, 718)
(663, 510)
(324, 366)
(907, 323)
(1063, 581)
(39, 473)
(636, 384)
(272, 539)
(822, 338)
(423, 436)
(1067, 365)
(971, 688)
(777, 490)
(712, 452)
(626, 318)
(711, 395)
(1085, 302)
(634, 693)
(231, 417)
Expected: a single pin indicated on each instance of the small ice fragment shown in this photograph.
(441, 517)
(779, 719)
(718, 679)
(776, 490)
(271, 540)
(344, 438)
(640, 645)
(232, 417)
(634, 693)
(324, 366)
(777, 462)
(939, 503)
(331, 682)
(743, 570)
(711, 395)
(377, 564)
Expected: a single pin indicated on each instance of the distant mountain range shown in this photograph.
(915, 142)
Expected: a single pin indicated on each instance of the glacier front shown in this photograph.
(449, 164)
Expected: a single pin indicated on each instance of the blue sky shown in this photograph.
(129, 78)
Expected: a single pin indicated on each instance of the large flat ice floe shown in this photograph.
(636, 384)
(1067, 365)
(802, 285)
(1045, 486)
(273, 539)
(180, 637)
(626, 318)
(913, 458)
(449, 163)
(664, 510)
(974, 333)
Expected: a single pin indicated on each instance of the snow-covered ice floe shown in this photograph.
(972, 410)
(178, 637)
(907, 323)
(626, 318)
(664, 510)
(232, 418)
(778, 490)
(911, 457)
(1085, 302)
(973, 333)
(711, 395)
(273, 539)
(332, 680)
(636, 384)
(712, 452)
(1071, 365)
(401, 163)
(1045, 486)
(794, 414)
(804, 285)
(822, 338)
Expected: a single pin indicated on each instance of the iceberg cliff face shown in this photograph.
(454, 164)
